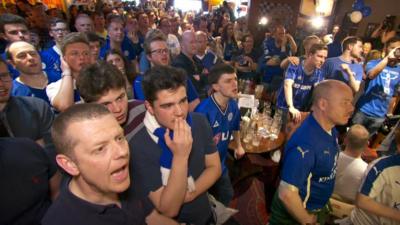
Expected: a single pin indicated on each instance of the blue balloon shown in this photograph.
(366, 11)
(358, 5)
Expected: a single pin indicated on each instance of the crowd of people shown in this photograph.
(126, 115)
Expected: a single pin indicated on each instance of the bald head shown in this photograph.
(333, 102)
(24, 57)
(357, 138)
(328, 88)
(188, 43)
(201, 42)
(17, 44)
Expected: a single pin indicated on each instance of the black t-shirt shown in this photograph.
(193, 69)
(69, 209)
(25, 171)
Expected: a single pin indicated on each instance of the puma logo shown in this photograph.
(302, 152)
(376, 170)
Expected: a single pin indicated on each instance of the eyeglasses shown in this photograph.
(5, 77)
(160, 51)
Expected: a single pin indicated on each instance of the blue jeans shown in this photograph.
(222, 190)
(372, 124)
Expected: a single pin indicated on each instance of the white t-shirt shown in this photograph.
(53, 88)
(349, 174)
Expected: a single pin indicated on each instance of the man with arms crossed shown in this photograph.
(309, 164)
(177, 161)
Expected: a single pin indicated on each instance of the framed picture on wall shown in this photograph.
(370, 28)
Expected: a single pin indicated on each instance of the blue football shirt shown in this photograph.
(332, 69)
(223, 123)
(309, 163)
(302, 86)
(378, 91)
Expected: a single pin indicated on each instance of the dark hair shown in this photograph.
(317, 47)
(76, 113)
(224, 36)
(53, 22)
(129, 69)
(351, 40)
(164, 18)
(93, 37)
(392, 40)
(72, 38)
(218, 70)
(97, 79)
(197, 21)
(113, 18)
(8, 18)
(246, 36)
(160, 78)
(152, 36)
(97, 13)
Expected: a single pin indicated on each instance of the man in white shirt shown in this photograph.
(350, 166)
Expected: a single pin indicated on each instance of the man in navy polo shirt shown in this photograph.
(28, 181)
(309, 164)
(383, 79)
(345, 67)
(295, 93)
(97, 159)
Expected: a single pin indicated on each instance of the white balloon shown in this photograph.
(356, 16)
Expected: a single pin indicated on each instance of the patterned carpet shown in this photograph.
(250, 201)
(249, 177)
